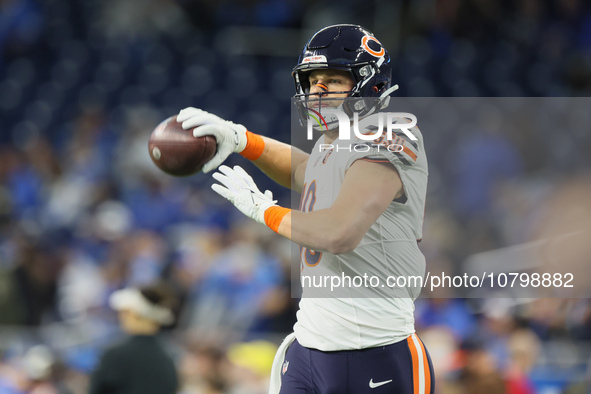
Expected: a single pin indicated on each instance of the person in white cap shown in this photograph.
(139, 364)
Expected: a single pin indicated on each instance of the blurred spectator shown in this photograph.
(480, 373)
(241, 277)
(139, 365)
(524, 350)
(452, 313)
(30, 294)
(201, 367)
(35, 375)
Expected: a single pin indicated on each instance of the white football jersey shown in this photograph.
(353, 317)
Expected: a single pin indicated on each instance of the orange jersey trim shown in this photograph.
(409, 152)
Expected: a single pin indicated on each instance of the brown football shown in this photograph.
(175, 151)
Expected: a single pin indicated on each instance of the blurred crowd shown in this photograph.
(83, 211)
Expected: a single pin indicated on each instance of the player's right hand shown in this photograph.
(230, 137)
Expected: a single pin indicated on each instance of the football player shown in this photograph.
(361, 212)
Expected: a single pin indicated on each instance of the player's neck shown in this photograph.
(330, 136)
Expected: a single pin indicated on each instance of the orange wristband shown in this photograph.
(274, 216)
(255, 145)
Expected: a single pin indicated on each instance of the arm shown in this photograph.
(367, 191)
(283, 163)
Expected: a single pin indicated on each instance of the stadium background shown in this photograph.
(84, 212)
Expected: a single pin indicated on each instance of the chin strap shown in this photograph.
(391, 90)
(386, 96)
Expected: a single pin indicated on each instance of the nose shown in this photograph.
(319, 88)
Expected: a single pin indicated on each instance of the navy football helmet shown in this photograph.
(349, 48)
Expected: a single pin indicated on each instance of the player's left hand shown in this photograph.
(239, 188)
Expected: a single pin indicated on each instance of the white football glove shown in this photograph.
(230, 137)
(240, 189)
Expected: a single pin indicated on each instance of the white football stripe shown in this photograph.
(415, 341)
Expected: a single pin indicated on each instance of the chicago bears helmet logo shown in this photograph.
(365, 45)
